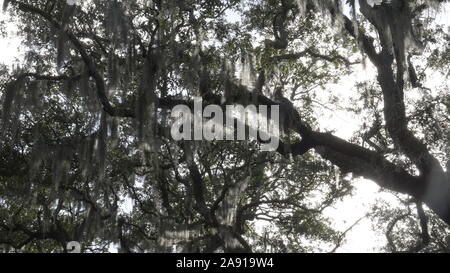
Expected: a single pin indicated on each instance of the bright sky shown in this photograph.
(9, 45)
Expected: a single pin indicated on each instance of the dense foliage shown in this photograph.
(86, 153)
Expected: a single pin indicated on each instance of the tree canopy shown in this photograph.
(86, 153)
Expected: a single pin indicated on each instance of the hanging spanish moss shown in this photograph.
(12, 90)
(87, 151)
(86, 154)
(101, 147)
(61, 165)
(62, 48)
(247, 75)
(328, 8)
(116, 22)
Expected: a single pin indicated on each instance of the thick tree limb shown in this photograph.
(349, 157)
(435, 186)
(314, 54)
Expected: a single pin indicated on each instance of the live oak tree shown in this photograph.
(87, 156)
